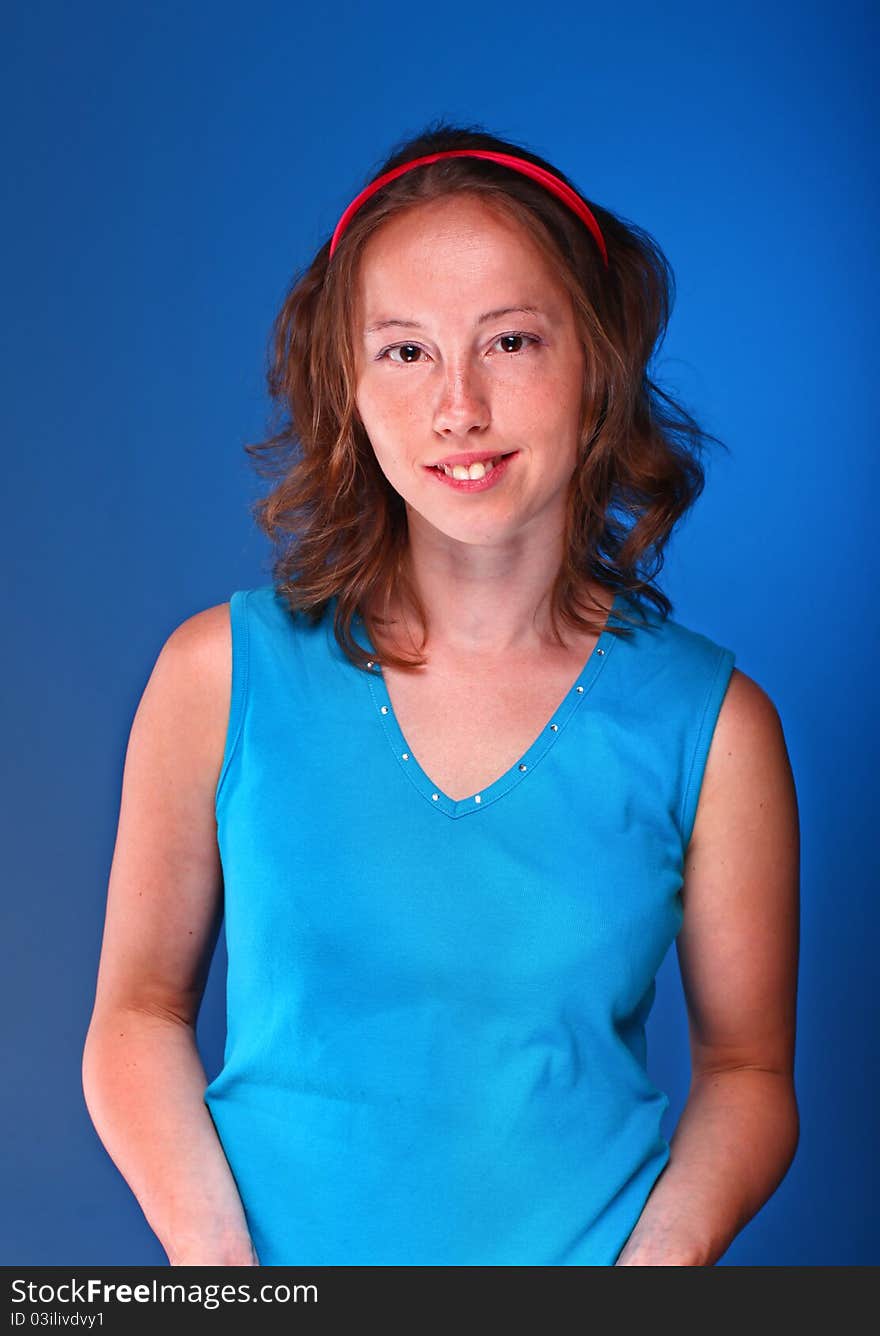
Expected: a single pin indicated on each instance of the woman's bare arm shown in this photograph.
(143, 1078)
(738, 953)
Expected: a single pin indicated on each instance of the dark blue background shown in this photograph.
(168, 168)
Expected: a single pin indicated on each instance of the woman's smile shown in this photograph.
(478, 477)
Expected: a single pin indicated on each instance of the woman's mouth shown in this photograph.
(477, 477)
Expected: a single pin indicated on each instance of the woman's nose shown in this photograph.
(463, 402)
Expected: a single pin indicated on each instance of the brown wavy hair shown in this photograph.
(340, 529)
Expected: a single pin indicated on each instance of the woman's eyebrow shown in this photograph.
(408, 322)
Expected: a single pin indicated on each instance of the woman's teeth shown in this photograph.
(475, 471)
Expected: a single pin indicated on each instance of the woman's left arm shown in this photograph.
(738, 953)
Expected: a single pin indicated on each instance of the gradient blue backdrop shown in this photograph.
(168, 168)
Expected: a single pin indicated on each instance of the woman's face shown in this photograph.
(459, 368)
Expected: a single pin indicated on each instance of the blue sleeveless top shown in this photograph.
(435, 1049)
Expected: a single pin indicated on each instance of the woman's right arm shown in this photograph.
(143, 1078)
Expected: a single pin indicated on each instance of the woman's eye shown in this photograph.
(402, 347)
(515, 338)
(409, 351)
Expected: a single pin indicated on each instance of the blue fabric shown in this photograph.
(435, 1046)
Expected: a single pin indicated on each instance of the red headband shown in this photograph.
(547, 179)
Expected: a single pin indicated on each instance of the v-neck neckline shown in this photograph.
(523, 767)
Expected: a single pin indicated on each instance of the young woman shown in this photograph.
(458, 781)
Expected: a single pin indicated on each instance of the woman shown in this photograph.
(456, 784)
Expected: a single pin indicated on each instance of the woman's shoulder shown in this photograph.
(207, 635)
(664, 644)
(202, 640)
(194, 670)
(666, 628)
(707, 657)
(210, 642)
(678, 657)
